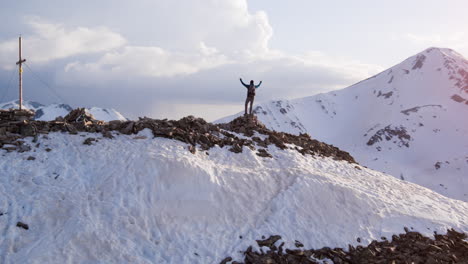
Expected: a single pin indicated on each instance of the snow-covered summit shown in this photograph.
(52, 111)
(409, 120)
(442, 65)
(140, 199)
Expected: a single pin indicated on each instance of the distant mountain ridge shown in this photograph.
(52, 111)
(409, 121)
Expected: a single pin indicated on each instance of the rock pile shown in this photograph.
(410, 247)
(196, 132)
(15, 115)
(13, 125)
(303, 143)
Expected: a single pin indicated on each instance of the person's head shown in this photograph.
(251, 82)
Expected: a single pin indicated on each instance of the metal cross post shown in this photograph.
(19, 63)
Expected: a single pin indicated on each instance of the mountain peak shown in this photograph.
(439, 55)
(444, 51)
(439, 49)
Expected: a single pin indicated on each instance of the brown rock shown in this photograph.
(22, 225)
(27, 130)
(236, 148)
(89, 141)
(128, 128)
(269, 242)
(115, 124)
(264, 153)
(78, 115)
(107, 134)
(226, 260)
(192, 149)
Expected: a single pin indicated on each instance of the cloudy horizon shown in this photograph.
(164, 58)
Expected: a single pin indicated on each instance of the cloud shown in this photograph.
(150, 61)
(177, 61)
(226, 25)
(50, 41)
(202, 35)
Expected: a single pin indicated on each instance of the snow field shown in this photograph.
(127, 200)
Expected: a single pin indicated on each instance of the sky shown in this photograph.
(173, 58)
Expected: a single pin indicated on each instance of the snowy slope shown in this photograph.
(149, 200)
(409, 121)
(105, 114)
(50, 112)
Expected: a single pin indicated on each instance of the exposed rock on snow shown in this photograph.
(417, 108)
(191, 130)
(22, 225)
(388, 133)
(411, 247)
(264, 153)
(418, 64)
(457, 98)
(89, 141)
(269, 242)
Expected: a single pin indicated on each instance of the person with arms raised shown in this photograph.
(250, 94)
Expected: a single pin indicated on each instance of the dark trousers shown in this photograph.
(251, 100)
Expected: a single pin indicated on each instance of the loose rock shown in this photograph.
(22, 225)
(89, 141)
(411, 247)
(15, 125)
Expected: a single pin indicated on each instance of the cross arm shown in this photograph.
(21, 61)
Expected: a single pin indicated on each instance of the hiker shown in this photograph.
(250, 94)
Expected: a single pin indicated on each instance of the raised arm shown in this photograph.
(246, 86)
(256, 86)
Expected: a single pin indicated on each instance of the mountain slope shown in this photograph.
(408, 121)
(139, 199)
(50, 112)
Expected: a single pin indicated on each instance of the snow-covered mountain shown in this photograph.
(50, 112)
(409, 121)
(140, 199)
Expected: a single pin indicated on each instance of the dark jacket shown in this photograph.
(251, 88)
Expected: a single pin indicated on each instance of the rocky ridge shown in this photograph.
(244, 131)
(410, 247)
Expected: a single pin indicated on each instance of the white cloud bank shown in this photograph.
(204, 35)
(51, 41)
(150, 61)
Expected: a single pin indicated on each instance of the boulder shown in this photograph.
(127, 128)
(79, 115)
